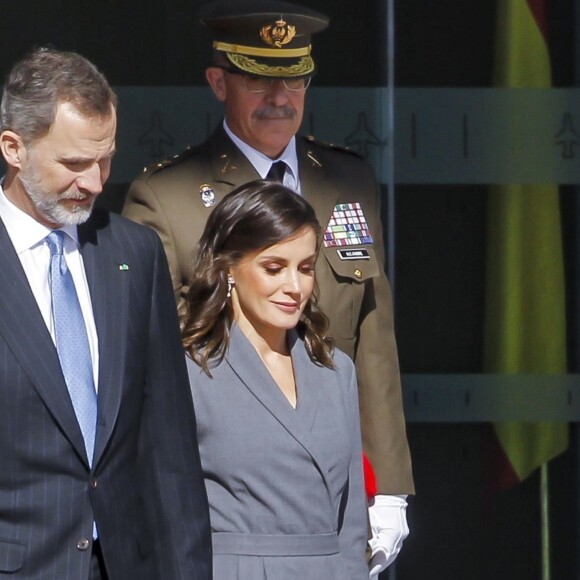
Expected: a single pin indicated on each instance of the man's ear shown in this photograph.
(13, 149)
(215, 77)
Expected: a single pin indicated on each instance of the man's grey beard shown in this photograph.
(48, 204)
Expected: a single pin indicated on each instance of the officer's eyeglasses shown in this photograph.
(262, 84)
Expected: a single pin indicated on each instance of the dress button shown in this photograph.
(83, 544)
(94, 483)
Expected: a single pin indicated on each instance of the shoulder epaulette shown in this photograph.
(158, 165)
(331, 146)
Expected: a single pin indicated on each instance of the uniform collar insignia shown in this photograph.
(207, 195)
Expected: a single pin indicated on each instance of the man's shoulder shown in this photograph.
(176, 166)
(119, 226)
(343, 363)
(340, 161)
(329, 147)
(332, 153)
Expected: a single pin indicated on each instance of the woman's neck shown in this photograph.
(265, 341)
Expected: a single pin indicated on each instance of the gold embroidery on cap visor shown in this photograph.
(303, 67)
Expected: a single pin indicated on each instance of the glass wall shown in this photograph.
(420, 90)
(466, 139)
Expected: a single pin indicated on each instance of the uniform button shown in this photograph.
(83, 544)
(358, 273)
(94, 483)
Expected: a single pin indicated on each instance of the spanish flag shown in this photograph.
(525, 325)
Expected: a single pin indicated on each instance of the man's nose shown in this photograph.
(91, 180)
(277, 93)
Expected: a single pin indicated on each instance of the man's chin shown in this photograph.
(71, 217)
(79, 217)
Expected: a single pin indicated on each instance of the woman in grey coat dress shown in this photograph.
(277, 410)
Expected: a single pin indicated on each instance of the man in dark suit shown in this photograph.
(100, 474)
(262, 67)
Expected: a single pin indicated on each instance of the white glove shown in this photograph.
(389, 528)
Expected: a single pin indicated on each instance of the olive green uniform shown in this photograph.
(354, 293)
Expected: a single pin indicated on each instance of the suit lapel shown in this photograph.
(309, 379)
(306, 381)
(247, 365)
(108, 286)
(24, 330)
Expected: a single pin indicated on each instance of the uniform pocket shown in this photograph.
(342, 275)
(356, 264)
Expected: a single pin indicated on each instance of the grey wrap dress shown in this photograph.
(285, 485)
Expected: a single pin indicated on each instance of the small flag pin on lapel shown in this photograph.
(123, 267)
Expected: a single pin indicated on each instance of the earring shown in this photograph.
(230, 284)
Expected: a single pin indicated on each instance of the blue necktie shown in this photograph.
(72, 343)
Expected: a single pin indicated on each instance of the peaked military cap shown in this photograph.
(264, 37)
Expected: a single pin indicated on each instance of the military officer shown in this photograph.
(261, 69)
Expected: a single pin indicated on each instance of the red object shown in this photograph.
(370, 478)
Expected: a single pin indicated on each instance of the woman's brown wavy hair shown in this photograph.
(250, 219)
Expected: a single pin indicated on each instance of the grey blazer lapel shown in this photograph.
(25, 333)
(109, 288)
(310, 379)
(247, 365)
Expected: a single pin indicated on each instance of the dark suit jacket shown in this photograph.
(353, 293)
(145, 490)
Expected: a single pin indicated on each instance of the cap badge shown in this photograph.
(277, 34)
(207, 195)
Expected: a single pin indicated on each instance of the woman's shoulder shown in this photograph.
(343, 365)
(342, 361)
(198, 376)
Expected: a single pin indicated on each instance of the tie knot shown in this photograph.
(277, 171)
(55, 242)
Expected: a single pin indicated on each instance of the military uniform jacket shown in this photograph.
(354, 293)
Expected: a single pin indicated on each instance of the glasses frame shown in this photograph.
(269, 80)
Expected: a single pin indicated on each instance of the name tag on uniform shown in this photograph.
(359, 254)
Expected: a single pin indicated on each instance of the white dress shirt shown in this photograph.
(262, 163)
(28, 237)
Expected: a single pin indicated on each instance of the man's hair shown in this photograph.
(249, 219)
(42, 80)
(219, 59)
